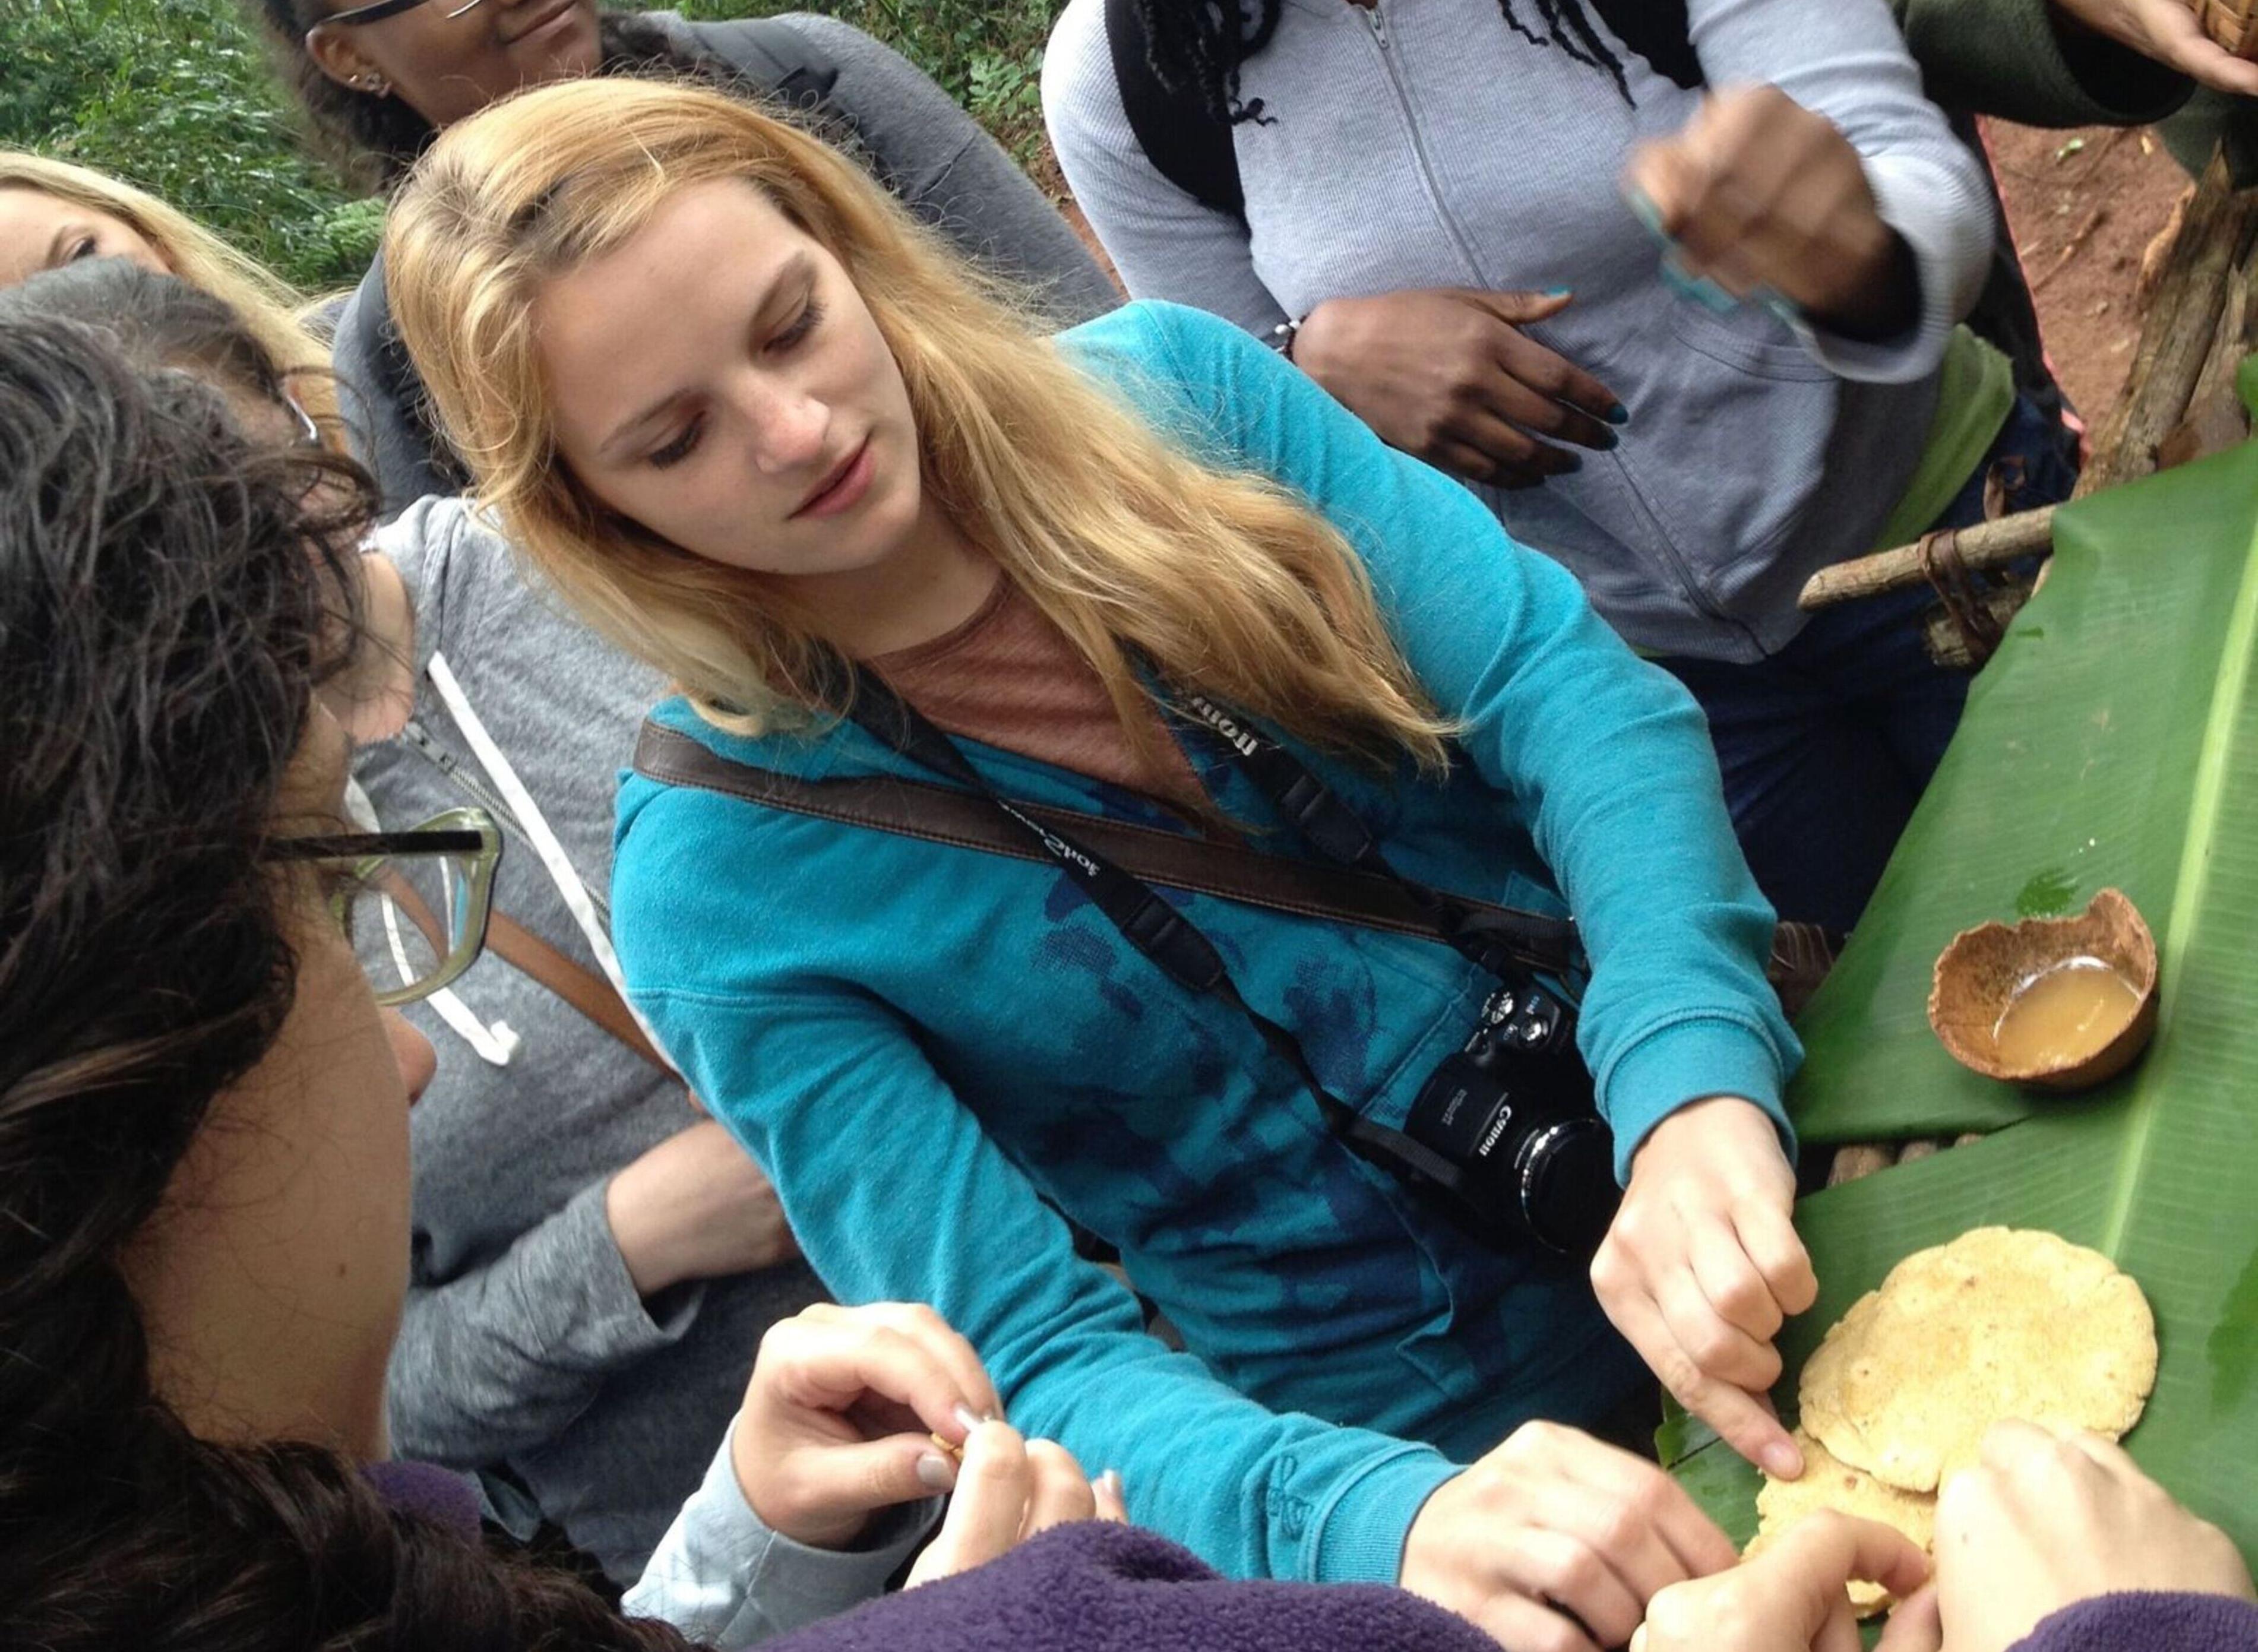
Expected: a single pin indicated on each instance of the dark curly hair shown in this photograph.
(171, 594)
(374, 141)
(1198, 47)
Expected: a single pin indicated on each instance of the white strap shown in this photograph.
(537, 829)
(495, 1041)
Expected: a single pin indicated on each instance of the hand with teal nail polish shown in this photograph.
(1761, 201)
(851, 1410)
(1451, 375)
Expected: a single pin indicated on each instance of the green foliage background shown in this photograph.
(177, 96)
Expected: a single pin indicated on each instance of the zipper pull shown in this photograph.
(1379, 25)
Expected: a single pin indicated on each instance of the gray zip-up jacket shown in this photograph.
(525, 1345)
(1424, 143)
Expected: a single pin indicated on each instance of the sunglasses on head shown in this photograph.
(384, 9)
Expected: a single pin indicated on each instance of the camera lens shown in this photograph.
(1566, 1177)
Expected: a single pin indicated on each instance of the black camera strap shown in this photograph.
(1506, 944)
(1146, 922)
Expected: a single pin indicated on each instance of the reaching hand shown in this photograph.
(2167, 30)
(2041, 1524)
(1447, 375)
(1553, 1535)
(695, 1207)
(1791, 1598)
(1702, 1265)
(1759, 193)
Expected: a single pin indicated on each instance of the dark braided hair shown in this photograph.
(171, 593)
(1197, 47)
(374, 141)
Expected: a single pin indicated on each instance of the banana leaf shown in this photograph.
(2113, 741)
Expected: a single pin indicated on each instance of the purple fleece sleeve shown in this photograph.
(1095, 1587)
(2149, 1623)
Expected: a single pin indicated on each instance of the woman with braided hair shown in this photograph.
(1675, 287)
(378, 79)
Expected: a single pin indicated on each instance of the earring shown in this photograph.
(372, 83)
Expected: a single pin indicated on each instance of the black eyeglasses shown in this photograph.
(384, 9)
(413, 903)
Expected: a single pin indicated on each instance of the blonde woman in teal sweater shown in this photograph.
(768, 435)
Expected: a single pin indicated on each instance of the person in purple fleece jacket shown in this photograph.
(2044, 1545)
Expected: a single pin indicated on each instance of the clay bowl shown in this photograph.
(1985, 967)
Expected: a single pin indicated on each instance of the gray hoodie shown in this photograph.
(525, 1345)
(1423, 143)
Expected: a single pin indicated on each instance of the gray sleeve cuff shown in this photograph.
(1945, 215)
(578, 1265)
(506, 1357)
(725, 1580)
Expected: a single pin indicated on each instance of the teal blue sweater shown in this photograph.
(936, 1050)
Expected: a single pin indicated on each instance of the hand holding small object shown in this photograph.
(2168, 32)
(1768, 200)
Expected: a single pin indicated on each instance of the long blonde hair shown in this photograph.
(1224, 582)
(263, 299)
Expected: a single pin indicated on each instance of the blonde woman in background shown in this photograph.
(770, 436)
(53, 213)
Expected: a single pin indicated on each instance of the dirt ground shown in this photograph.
(2085, 206)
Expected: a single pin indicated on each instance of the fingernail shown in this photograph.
(1618, 414)
(1609, 442)
(936, 1471)
(1557, 292)
(968, 1417)
(1781, 1460)
(1110, 1483)
(1575, 462)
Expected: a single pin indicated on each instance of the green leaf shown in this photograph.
(2113, 740)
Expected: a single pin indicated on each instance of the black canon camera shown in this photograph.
(1515, 1115)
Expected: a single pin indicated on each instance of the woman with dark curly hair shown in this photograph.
(379, 80)
(204, 1110)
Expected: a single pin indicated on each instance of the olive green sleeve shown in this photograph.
(2023, 61)
(2210, 119)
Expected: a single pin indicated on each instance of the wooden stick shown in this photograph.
(2191, 299)
(1987, 545)
(2070, 248)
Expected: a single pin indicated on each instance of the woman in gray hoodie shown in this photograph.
(1430, 219)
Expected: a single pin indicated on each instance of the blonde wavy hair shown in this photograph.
(1226, 583)
(264, 300)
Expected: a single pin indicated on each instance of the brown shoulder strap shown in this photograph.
(1802, 952)
(942, 815)
(583, 988)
